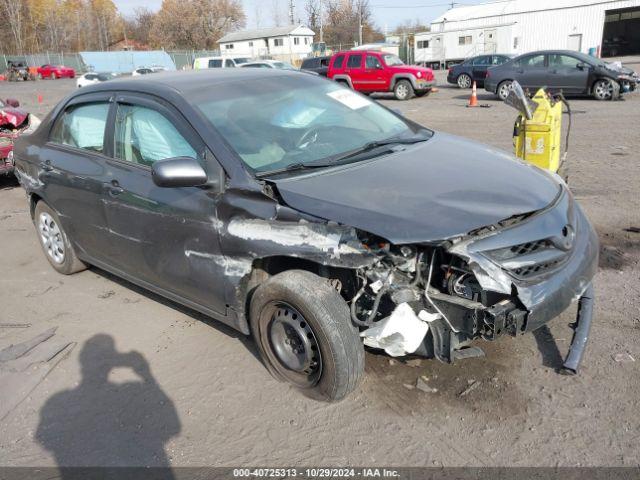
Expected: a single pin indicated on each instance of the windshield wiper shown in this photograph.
(340, 159)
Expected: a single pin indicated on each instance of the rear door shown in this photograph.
(532, 71)
(479, 67)
(73, 164)
(567, 73)
(355, 70)
(166, 237)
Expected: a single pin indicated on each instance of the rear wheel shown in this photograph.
(55, 242)
(305, 336)
(603, 89)
(464, 81)
(53, 76)
(504, 88)
(403, 90)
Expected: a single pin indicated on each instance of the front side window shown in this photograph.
(144, 136)
(283, 121)
(556, 60)
(82, 126)
(481, 61)
(498, 59)
(215, 63)
(373, 62)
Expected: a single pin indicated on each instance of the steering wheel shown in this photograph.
(309, 137)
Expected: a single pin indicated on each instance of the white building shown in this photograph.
(518, 26)
(289, 43)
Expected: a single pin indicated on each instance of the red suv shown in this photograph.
(372, 71)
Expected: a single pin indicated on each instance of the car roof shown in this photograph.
(188, 81)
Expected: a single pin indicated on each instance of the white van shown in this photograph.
(218, 62)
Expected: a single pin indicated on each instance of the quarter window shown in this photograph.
(144, 136)
(82, 126)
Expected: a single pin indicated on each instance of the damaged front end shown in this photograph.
(509, 278)
(13, 123)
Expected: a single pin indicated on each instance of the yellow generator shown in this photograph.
(537, 139)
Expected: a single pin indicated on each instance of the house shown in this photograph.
(610, 28)
(289, 43)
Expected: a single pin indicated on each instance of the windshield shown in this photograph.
(283, 121)
(284, 66)
(392, 60)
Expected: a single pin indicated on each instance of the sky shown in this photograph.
(386, 13)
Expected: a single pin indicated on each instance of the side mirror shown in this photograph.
(581, 66)
(178, 172)
(12, 102)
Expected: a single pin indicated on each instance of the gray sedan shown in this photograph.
(571, 72)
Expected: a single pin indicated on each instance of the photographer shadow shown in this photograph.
(106, 424)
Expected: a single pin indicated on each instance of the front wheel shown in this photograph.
(55, 242)
(403, 90)
(464, 81)
(603, 89)
(504, 89)
(305, 336)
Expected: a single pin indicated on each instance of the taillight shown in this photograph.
(450, 69)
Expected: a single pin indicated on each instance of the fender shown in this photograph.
(402, 76)
(343, 77)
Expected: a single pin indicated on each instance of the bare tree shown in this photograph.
(14, 11)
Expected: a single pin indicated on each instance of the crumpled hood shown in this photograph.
(12, 116)
(434, 190)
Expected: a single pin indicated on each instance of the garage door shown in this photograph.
(621, 32)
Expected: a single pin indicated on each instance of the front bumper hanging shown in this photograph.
(581, 329)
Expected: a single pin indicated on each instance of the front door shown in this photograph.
(375, 73)
(567, 73)
(166, 237)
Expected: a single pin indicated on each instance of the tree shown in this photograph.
(342, 20)
(14, 15)
(193, 24)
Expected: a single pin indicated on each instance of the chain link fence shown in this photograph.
(72, 60)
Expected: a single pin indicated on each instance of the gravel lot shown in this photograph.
(131, 379)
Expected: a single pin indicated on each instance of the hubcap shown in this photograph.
(51, 237)
(464, 81)
(291, 345)
(604, 89)
(504, 90)
(403, 91)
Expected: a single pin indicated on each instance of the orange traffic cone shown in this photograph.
(473, 101)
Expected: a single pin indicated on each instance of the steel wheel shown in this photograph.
(464, 81)
(603, 90)
(51, 237)
(504, 89)
(291, 344)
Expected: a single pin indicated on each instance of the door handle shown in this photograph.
(46, 166)
(115, 188)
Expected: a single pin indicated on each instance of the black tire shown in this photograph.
(503, 89)
(323, 316)
(603, 89)
(464, 81)
(403, 90)
(64, 259)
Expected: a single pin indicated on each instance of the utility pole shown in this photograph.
(291, 12)
(321, 23)
(359, 23)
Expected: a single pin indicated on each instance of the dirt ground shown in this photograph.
(128, 378)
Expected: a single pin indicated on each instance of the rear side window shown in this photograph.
(355, 61)
(217, 63)
(337, 63)
(144, 136)
(499, 60)
(229, 63)
(82, 126)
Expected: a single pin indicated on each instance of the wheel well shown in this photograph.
(343, 278)
(598, 79)
(34, 198)
(395, 80)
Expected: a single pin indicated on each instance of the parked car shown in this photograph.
(474, 69)
(94, 77)
(218, 62)
(268, 64)
(319, 65)
(18, 71)
(573, 73)
(142, 71)
(373, 71)
(55, 71)
(307, 215)
(13, 122)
